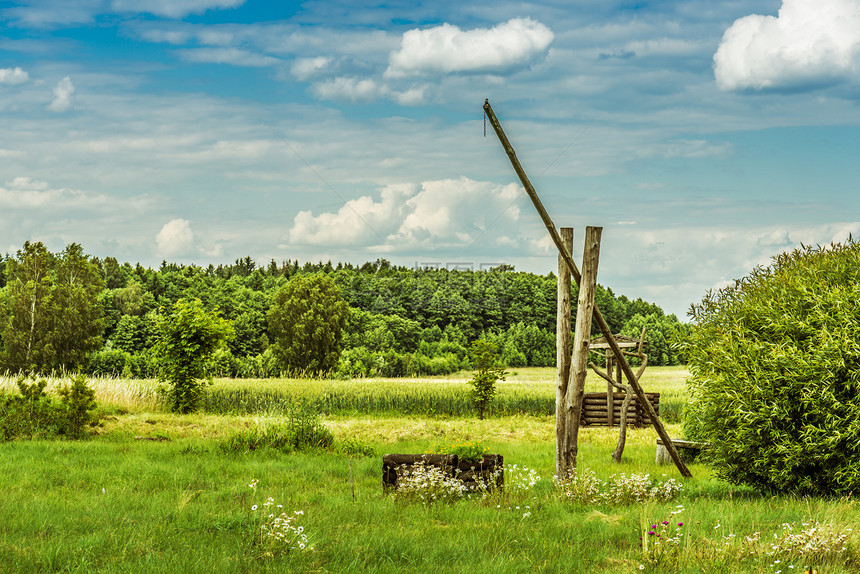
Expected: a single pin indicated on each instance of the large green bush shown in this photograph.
(775, 374)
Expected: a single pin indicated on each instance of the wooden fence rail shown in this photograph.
(594, 410)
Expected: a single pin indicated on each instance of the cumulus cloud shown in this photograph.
(173, 8)
(174, 238)
(62, 95)
(448, 49)
(433, 214)
(13, 76)
(809, 43)
(671, 266)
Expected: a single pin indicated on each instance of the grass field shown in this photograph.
(182, 503)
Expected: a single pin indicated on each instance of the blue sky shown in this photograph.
(705, 136)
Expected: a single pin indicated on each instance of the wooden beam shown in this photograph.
(562, 357)
(582, 335)
(574, 271)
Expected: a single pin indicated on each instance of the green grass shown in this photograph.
(116, 504)
(528, 391)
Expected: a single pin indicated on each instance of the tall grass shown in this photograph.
(529, 391)
(127, 394)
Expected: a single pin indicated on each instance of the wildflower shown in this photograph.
(254, 507)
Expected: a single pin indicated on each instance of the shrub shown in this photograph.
(465, 451)
(302, 430)
(77, 400)
(34, 414)
(189, 335)
(774, 364)
(30, 414)
(108, 362)
(485, 361)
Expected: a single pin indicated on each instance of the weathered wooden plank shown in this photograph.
(563, 356)
(582, 334)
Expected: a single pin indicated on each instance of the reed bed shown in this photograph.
(528, 391)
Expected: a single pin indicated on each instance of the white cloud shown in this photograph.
(26, 184)
(304, 68)
(448, 49)
(48, 13)
(233, 56)
(686, 149)
(351, 89)
(173, 8)
(24, 194)
(434, 214)
(810, 42)
(13, 76)
(62, 95)
(174, 238)
(365, 90)
(671, 266)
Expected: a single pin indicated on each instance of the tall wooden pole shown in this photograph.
(582, 337)
(562, 357)
(597, 316)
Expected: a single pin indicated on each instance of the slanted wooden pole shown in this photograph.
(582, 337)
(562, 357)
(574, 271)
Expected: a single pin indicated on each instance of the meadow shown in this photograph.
(152, 491)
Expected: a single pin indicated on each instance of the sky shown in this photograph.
(704, 136)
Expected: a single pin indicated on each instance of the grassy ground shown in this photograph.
(115, 503)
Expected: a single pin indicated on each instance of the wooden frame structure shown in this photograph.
(577, 276)
(623, 342)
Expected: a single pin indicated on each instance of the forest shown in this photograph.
(71, 311)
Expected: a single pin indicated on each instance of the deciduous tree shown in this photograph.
(189, 335)
(306, 323)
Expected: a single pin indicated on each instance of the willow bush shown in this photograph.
(774, 363)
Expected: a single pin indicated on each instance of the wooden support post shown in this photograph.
(610, 390)
(574, 271)
(562, 357)
(581, 338)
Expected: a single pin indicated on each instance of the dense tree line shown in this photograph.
(103, 316)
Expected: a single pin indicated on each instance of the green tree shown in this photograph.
(484, 357)
(189, 335)
(26, 310)
(51, 314)
(662, 332)
(306, 323)
(774, 366)
(77, 319)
